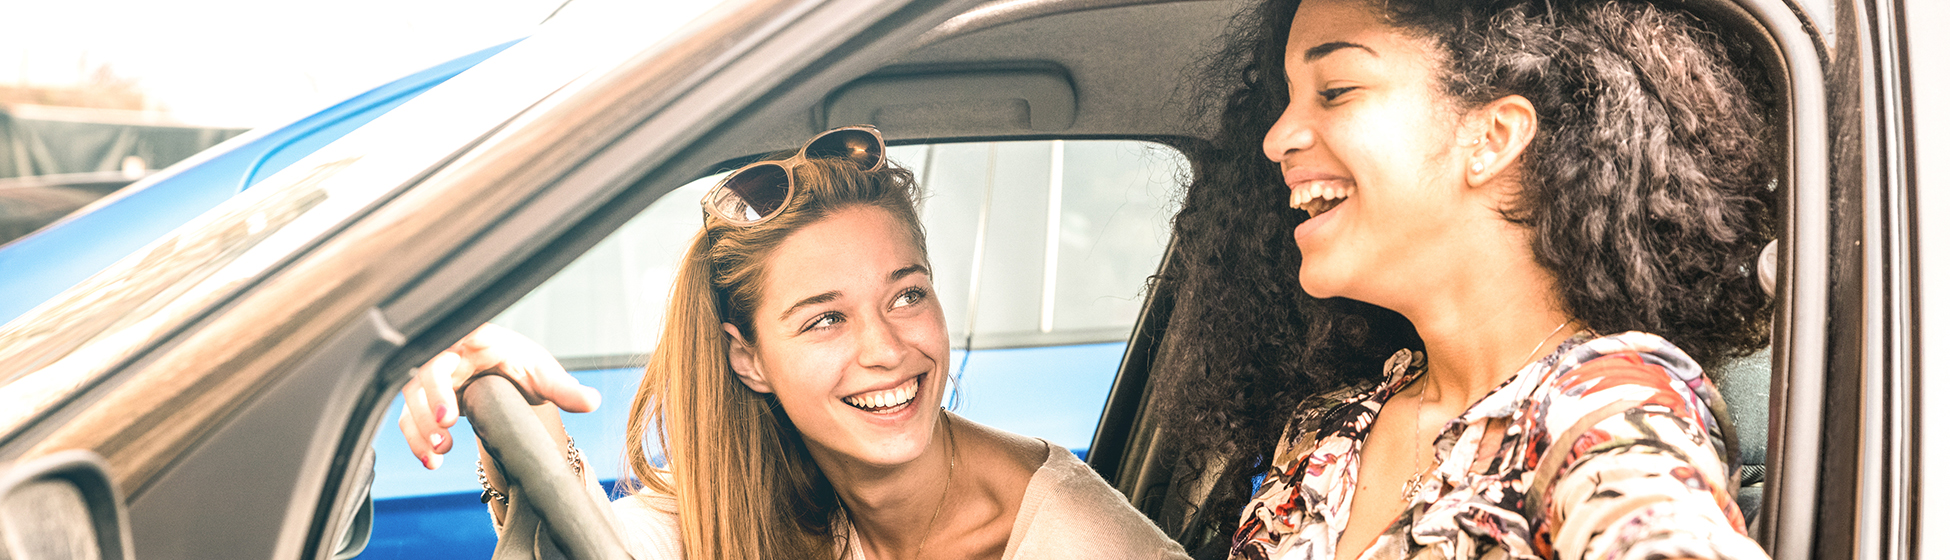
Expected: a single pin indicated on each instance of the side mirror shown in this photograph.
(62, 506)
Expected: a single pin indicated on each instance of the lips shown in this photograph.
(887, 401)
(1315, 191)
(1320, 195)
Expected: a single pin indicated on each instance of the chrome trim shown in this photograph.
(1887, 472)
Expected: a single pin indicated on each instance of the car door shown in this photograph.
(233, 374)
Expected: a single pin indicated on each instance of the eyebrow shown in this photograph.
(829, 297)
(1325, 49)
(909, 270)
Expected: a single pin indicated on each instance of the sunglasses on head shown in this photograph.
(759, 191)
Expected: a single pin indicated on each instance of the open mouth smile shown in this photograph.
(1319, 196)
(887, 401)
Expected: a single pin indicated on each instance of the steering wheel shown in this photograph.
(542, 491)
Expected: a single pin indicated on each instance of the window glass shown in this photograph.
(1063, 235)
(1042, 247)
(1117, 203)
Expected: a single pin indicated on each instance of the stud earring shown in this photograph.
(1476, 167)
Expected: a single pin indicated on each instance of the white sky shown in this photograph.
(250, 62)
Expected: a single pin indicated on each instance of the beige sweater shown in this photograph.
(1067, 512)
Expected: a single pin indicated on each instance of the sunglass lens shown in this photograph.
(860, 146)
(762, 188)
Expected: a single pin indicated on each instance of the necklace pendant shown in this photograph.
(1409, 487)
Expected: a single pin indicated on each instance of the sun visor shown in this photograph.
(1039, 98)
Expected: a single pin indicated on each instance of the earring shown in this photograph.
(1476, 167)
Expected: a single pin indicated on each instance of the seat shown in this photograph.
(1745, 383)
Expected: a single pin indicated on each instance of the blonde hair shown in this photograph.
(745, 485)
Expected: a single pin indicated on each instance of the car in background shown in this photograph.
(225, 390)
(44, 249)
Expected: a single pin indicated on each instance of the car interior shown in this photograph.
(1029, 72)
(1035, 76)
(1026, 73)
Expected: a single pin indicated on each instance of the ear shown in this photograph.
(744, 362)
(1506, 127)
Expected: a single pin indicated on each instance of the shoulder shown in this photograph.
(648, 521)
(1625, 394)
(1631, 367)
(1070, 512)
(1018, 453)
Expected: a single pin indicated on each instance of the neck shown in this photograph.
(893, 507)
(1484, 320)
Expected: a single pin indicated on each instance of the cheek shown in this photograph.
(804, 375)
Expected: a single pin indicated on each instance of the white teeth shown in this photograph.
(1324, 189)
(1315, 196)
(888, 398)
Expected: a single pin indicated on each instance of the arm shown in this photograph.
(1632, 471)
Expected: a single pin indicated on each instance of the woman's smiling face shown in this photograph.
(1369, 148)
(850, 337)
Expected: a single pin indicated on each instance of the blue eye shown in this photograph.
(825, 320)
(910, 297)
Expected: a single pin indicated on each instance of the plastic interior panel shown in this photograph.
(1045, 95)
(53, 504)
(258, 482)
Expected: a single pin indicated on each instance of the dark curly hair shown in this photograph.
(1648, 189)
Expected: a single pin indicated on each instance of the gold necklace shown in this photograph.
(1422, 400)
(952, 452)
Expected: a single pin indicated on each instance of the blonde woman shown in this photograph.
(796, 392)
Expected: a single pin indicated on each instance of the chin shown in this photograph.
(1317, 286)
(889, 446)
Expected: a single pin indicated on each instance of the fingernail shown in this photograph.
(435, 440)
(440, 413)
(425, 463)
(433, 461)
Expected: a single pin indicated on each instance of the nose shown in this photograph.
(880, 345)
(1291, 134)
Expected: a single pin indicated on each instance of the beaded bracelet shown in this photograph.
(489, 493)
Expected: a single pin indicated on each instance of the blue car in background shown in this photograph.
(40, 265)
(1043, 248)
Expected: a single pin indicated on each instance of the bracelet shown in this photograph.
(489, 493)
(575, 457)
(487, 490)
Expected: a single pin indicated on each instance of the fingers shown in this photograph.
(418, 407)
(532, 369)
(566, 391)
(438, 378)
(430, 409)
(418, 443)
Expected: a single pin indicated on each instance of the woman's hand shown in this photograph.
(432, 408)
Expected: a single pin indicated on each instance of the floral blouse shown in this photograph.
(1643, 473)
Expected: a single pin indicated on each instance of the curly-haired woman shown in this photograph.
(1520, 229)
